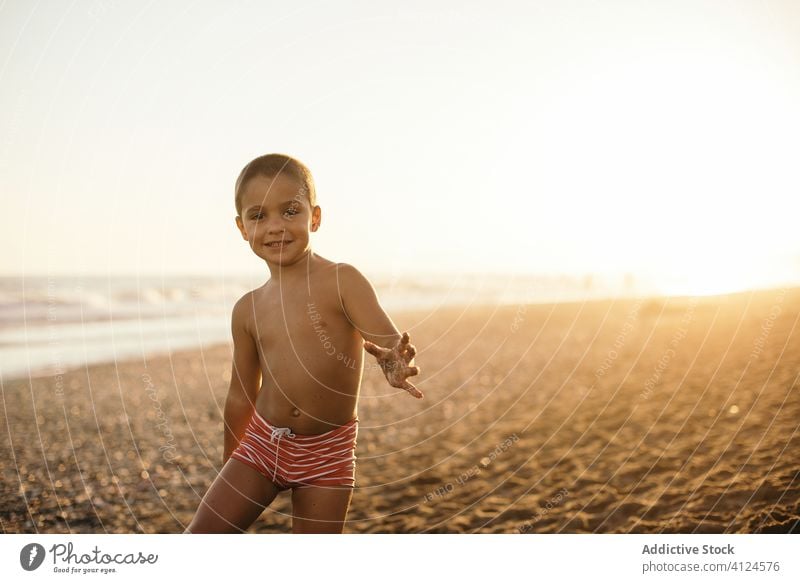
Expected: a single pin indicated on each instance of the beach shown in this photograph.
(653, 415)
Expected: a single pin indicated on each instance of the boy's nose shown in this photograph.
(274, 226)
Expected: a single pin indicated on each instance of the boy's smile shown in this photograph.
(277, 219)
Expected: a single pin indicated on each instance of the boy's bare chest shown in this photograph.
(298, 317)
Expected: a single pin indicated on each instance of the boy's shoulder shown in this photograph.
(346, 278)
(244, 305)
(352, 284)
(349, 275)
(347, 269)
(343, 272)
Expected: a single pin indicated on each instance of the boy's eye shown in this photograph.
(291, 211)
(257, 216)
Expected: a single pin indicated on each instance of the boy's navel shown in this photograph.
(295, 412)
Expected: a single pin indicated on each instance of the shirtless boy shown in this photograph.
(291, 413)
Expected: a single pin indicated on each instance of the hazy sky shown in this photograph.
(524, 137)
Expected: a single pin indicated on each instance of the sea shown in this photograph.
(50, 324)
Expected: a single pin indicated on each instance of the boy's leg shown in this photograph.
(320, 509)
(233, 502)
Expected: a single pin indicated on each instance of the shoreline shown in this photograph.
(415, 314)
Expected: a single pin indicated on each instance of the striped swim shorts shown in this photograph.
(296, 461)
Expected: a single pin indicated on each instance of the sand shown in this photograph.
(674, 415)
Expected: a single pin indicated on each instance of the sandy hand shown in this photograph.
(395, 363)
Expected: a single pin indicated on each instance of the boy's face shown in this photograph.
(277, 218)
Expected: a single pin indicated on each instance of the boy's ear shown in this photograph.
(240, 224)
(316, 218)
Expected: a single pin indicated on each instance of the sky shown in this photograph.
(539, 137)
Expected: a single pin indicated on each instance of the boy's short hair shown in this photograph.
(271, 166)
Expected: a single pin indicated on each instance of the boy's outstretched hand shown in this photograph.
(394, 363)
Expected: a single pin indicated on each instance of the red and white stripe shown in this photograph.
(290, 460)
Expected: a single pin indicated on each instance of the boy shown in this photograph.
(290, 416)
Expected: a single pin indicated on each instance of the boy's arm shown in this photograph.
(245, 378)
(393, 351)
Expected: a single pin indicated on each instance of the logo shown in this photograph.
(31, 556)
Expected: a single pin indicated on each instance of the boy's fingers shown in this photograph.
(412, 371)
(373, 349)
(404, 339)
(412, 389)
(411, 351)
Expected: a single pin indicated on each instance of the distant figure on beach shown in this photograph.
(291, 417)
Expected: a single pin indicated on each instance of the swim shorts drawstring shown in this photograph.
(323, 459)
(279, 432)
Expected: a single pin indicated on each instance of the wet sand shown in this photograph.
(658, 415)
